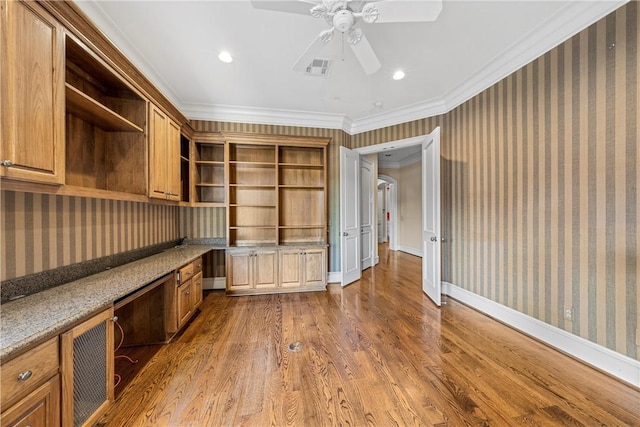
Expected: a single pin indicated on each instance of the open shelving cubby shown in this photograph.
(209, 170)
(106, 119)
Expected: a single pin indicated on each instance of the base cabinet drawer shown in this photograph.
(41, 408)
(21, 374)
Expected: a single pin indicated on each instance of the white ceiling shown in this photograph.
(470, 46)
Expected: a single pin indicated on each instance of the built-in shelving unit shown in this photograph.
(105, 125)
(276, 190)
(209, 170)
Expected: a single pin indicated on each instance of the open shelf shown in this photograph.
(95, 113)
(105, 125)
(209, 170)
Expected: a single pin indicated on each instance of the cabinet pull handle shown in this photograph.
(7, 163)
(25, 375)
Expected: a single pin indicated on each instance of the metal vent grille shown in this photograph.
(318, 67)
(89, 373)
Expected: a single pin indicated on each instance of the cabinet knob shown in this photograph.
(24, 375)
(7, 163)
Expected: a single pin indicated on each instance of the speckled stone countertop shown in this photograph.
(35, 317)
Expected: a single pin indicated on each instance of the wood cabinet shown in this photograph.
(275, 270)
(30, 387)
(277, 198)
(32, 94)
(303, 268)
(164, 156)
(87, 370)
(251, 269)
(188, 295)
(41, 408)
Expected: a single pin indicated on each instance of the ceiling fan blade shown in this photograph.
(305, 59)
(407, 10)
(302, 7)
(365, 54)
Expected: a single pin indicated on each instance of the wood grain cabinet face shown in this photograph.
(253, 269)
(164, 156)
(32, 99)
(184, 302)
(41, 408)
(314, 267)
(291, 268)
(87, 370)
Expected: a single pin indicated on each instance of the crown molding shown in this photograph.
(567, 22)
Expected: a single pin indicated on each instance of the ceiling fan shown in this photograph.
(344, 15)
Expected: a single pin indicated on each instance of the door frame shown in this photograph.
(392, 209)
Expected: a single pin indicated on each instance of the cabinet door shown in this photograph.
(41, 408)
(184, 302)
(240, 270)
(196, 292)
(31, 94)
(173, 160)
(290, 268)
(87, 370)
(266, 269)
(157, 153)
(315, 267)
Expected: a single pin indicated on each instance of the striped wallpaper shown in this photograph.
(338, 138)
(540, 185)
(39, 232)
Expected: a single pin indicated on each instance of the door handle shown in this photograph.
(433, 239)
(344, 233)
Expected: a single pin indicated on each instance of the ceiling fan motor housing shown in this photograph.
(343, 20)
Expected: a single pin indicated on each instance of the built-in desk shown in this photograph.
(33, 319)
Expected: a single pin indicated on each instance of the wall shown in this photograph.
(39, 232)
(217, 215)
(410, 204)
(540, 185)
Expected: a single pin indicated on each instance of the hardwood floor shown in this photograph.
(374, 353)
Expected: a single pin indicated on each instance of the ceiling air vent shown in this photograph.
(318, 67)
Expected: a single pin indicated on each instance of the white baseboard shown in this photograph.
(609, 361)
(376, 260)
(334, 277)
(214, 283)
(411, 251)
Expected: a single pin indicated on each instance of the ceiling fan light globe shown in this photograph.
(343, 20)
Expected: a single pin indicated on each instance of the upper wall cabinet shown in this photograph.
(164, 156)
(31, 94)
(106, 120)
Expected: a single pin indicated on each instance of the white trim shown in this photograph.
(609, 361)
(397, 116)
(334, 277)
(242, 114)
(376, 260)
(412, 251)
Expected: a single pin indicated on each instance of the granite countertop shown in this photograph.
(30, 319)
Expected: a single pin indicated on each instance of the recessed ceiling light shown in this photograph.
(225, 57)
(398, 75)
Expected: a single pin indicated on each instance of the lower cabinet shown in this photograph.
(275, 270)
(30, 389)
(40, 408)
(87, 370)
(187, 295)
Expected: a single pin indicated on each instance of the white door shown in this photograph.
(382, 215)
(431, 251)
(349, 216)
(366, 213)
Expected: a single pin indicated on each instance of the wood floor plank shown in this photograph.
(376, 353)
